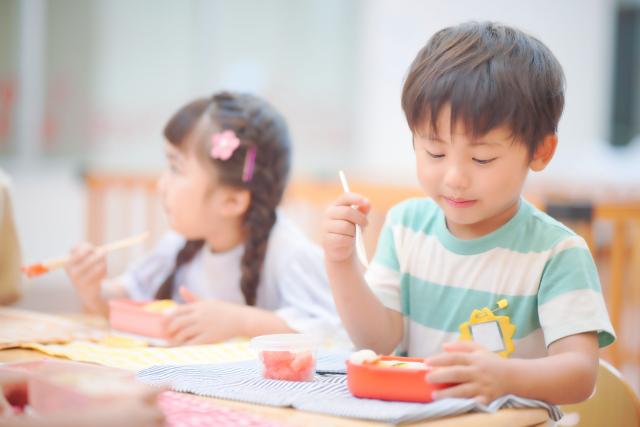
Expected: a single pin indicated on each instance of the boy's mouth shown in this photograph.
(460, 203)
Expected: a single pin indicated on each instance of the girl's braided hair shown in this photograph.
(255, 123)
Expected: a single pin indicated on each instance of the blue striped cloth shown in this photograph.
(327, 395)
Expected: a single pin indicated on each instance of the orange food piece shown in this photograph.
(288, 366)
(34, 270)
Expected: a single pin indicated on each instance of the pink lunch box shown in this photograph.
(128, 318)
(55, 386)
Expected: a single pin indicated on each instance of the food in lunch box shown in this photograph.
(160, 305)
(364, 356)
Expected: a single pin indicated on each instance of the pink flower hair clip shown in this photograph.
(224, 144)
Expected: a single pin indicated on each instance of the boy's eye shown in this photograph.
(174, 169)
(435, 156)
(484, 162)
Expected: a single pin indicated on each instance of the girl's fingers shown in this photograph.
(347, 213)
(95, 272)
(453, 374)
(449, 359)
(88, 263)
(350, 199)
(198, 340)
(175, 312)
(187, 333)
(177, 323)
(81, 250)
(463, 391)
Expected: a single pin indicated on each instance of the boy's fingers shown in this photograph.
(345, 228)
(464, 391)
(339, 240)
(453, 374)
(448, 359)
(463, 346)
(347, 213)
(350, 199)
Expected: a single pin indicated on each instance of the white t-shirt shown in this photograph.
(293, 281)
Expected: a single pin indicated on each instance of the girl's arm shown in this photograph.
(369, 323)
(568, 375)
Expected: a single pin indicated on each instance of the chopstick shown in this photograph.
(362, 254)
(54, 263)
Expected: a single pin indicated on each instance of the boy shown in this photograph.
(483, 102)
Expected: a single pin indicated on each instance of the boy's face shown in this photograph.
(476, 183)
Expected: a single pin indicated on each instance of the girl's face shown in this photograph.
(196, 204)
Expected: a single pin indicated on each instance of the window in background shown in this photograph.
(626, 101)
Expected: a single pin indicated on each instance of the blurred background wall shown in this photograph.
(86, 87)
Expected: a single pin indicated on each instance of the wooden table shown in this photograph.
(503, 418)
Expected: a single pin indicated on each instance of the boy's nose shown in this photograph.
(456, 178)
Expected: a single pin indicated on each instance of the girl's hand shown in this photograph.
(339, 225)
(86, 269)
(481, 374)
(202, 321)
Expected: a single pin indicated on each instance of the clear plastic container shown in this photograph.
(288, 357)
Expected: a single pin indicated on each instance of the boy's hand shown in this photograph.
(86, 269)
(339, 225)
(481, 373)
(203, 321)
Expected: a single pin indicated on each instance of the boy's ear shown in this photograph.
(236, 202)
(544, 153)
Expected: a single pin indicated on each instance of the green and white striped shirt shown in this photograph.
(436, 280)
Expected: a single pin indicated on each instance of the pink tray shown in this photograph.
(50, 385)
(129, 317)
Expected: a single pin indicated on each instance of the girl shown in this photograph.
(241, 268)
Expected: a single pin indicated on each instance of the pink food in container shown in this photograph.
(287, 357)
(132, 319)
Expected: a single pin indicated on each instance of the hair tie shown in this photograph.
(224, 144)
(249, 162)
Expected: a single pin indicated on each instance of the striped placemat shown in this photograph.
(328, 395)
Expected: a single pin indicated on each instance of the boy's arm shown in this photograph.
(369, 323)
(568, 375)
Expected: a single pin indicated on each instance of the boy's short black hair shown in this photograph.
(492, 76)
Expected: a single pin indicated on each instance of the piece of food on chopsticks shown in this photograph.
(51, 264)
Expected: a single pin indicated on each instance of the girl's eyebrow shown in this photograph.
(174, 157)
